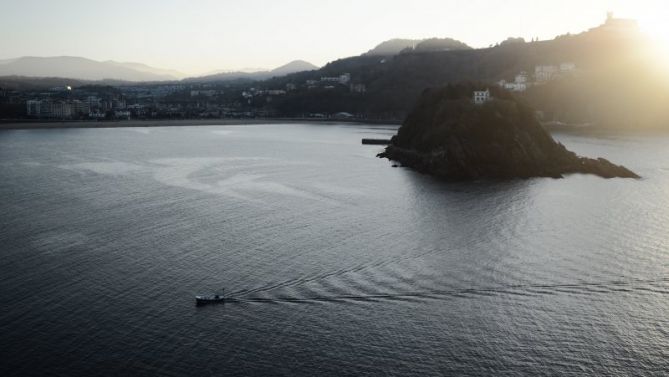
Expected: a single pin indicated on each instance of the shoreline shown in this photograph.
(35, 125)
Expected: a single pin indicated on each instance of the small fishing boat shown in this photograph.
(210, 299)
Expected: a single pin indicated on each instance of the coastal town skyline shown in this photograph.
(215, 36)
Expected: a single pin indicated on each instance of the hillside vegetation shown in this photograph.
(449, 136)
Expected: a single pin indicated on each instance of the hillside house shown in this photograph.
(481, 96)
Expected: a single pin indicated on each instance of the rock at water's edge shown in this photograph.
(447, 135)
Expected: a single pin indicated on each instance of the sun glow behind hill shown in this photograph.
(657, 28)
(653, 23)
(659, 57)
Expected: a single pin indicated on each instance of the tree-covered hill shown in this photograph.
(393, 83)
(448, 135)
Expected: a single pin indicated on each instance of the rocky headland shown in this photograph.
(449, 136)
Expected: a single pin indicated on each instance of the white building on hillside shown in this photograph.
(519, 84)
(481, 96)
(204, 93)
(276, 92)
(341, 79)
(543, 73)
(567, 67)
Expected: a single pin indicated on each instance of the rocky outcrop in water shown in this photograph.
(449, 136)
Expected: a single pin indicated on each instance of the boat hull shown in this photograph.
(204, 300)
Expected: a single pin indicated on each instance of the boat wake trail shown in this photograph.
(652, 286)
(375, 264)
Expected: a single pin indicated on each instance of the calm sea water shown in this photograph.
(341, 264)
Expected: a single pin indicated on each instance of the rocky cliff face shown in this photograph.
(447, 135)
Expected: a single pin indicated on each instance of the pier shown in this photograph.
(376, 141)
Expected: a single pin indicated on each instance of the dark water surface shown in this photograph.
(340, 264)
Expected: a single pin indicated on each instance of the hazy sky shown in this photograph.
(195, 36)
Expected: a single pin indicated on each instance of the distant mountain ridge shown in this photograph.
(396, 46)
(78, 68)
(286, 69)
(293, 67)
(84, 69)
(149, 69)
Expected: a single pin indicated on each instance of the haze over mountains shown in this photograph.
(91, 70)
(286, 69)
(611, 78)
(84, 69)
(80, 68)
